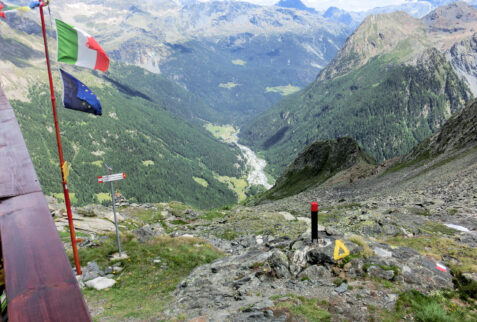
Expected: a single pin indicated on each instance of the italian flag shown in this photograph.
(78, 48)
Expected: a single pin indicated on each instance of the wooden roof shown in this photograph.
(40, 282)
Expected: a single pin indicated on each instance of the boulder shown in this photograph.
(100, 283)
(148, 231)
(315, 273)
(279, 264)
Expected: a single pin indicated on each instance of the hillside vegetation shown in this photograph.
(147, 130)
(389, 87)
(387, 107)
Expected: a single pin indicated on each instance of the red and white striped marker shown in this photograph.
(111, 177)
(441, 267)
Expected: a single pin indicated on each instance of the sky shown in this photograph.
(348, 5)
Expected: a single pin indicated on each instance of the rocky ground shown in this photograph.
(397, 226)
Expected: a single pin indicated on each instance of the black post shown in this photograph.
(314, 222)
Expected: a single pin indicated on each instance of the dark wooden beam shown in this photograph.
(39, 279)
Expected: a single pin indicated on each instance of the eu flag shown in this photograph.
(77, 96)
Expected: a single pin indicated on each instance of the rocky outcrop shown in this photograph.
(318, 162)
(463, 58)
(459, 132)
(237, 286)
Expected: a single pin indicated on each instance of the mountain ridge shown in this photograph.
(392, 71)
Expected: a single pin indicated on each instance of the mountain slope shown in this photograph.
(140, 133)
(317, 163)
(238, 57)
(388, 88)
(458, 133)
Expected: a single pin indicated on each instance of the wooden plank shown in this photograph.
(39, 279)
(17, 175)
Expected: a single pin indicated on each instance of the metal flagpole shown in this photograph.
(60, 149)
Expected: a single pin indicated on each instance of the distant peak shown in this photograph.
(331, 11)
(451, 13)
(294, 4)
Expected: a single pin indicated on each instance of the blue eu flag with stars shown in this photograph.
(77, 96)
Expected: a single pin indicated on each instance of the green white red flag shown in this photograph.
(78, 48)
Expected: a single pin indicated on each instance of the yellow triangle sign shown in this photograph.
(339, 245)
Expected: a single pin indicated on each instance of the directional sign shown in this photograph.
(111, 177)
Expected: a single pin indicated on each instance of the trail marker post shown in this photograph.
(314, 222)
(110, 178)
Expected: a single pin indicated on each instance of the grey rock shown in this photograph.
(371, 230)
(391, 230)
(332, 232)
(404, 253)
(376, 271)
(281, 242)
(279, 264)
(342, 288)
(100, 283)
(381, 252)
(319, 256)
(149, 231)
(91, 271)
(315, 273)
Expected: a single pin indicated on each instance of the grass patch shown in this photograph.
(225, 132)
(402, 165)
(452, 211)
(338, 281)
(434, 227)
(437, 247)
(146, 216)
(103, 196)
(358, 240)
(61, 197)
(143, 289)
(429, 308)
(466, 288)
(98, 163)
(147, 163)
(213, 215)
(65, 235)
(179, 222)
(283, 90)
(201, 181)
(228, 234)
(238, 185)
(420, 212)
(239, 62)
(228, 85)
(308, 309)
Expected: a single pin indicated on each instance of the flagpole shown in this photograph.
(60, 149)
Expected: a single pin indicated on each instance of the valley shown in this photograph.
(258, 262)
(255, 165)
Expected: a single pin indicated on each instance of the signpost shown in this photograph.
(110, 178)
(314, 222)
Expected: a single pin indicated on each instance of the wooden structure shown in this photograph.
(40, 283)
